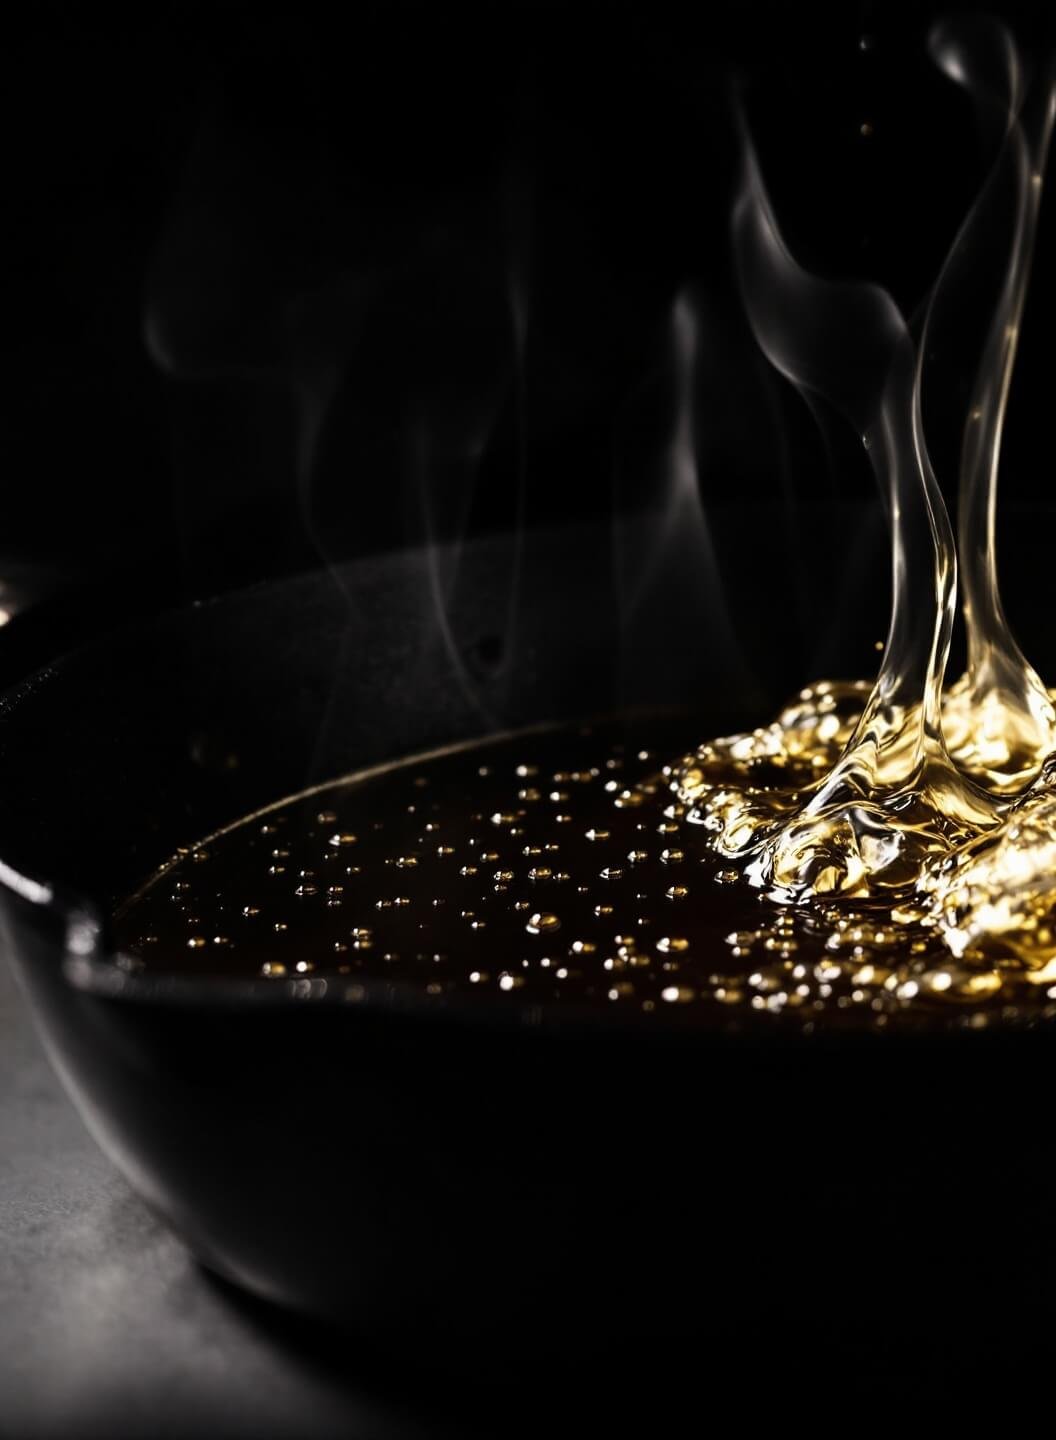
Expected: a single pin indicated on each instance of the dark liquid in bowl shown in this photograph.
(552, 866)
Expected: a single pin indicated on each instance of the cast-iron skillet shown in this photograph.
(485, 1184)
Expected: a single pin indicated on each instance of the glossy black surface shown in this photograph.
(485, 1194)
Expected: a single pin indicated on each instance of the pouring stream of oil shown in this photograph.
(936, 802)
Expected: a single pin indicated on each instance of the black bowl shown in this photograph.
(487, 1184)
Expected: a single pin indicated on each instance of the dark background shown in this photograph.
(280, 287)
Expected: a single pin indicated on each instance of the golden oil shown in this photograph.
(453, 876)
